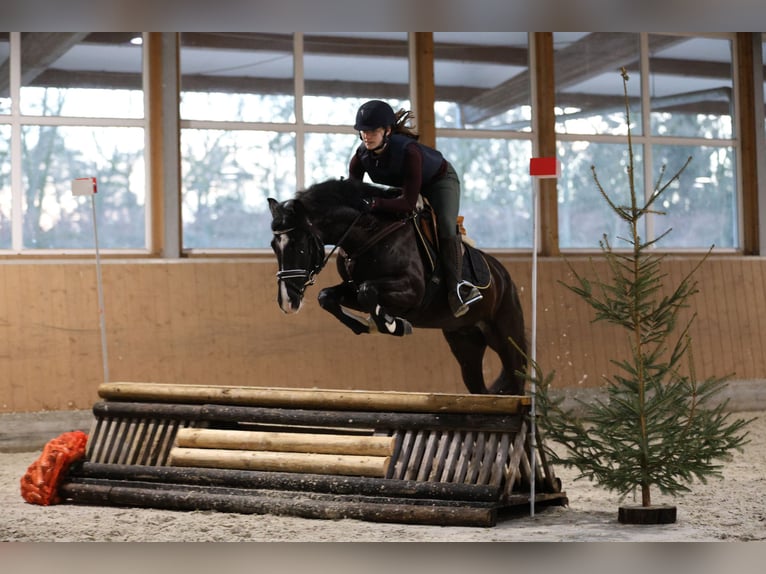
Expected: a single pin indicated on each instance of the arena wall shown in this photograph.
(216, 321)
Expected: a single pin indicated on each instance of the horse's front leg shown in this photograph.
(332, 300)
(367, 295)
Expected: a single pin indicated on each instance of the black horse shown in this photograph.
(388, 274)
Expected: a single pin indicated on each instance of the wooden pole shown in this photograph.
(365, 421)
(314, 398)
(255, 480)
(750, 98)
(545, 121)
(286, 442)
(425, 117)
(281, 461)
(223, 500)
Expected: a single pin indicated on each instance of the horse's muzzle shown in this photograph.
(289, 298)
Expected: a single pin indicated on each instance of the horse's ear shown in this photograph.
(273, 206)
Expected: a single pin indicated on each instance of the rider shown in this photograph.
(391, 155)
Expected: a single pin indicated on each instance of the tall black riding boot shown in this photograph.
(460, 293)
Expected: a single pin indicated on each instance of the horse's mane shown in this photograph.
(334, 193)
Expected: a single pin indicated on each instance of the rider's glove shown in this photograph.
(369, 204)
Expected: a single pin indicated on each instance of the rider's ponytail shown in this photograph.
(401, 119)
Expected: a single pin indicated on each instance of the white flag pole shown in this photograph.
(548, 167)
(87, 186)
(533, 346)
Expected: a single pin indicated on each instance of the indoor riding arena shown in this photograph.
(154, 387)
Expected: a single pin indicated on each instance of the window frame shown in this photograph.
(646, 141)
(18, 121)
(162, 125)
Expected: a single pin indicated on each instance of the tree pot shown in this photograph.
(661, 514)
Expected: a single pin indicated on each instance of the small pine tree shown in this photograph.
(655, 427)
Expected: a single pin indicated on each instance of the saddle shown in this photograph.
(475, 268)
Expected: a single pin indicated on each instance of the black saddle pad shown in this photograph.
(475, 267)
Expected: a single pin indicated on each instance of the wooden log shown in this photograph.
(280, 461)
(285, 442)
(450, 462)
(309, 418)
(515, 473)
(498, 472)
(148, 452)
(552, 484)
(369, 486)
(461, 466)
(660, 514)
(477, 459)
(248, 503)
(437, 466)
(362, 420)
(416, 455)
(517, 505)
(315, 398)
(152, 410)
(136, 446)
(284, 495)
(488, 462)
(428, 456)
(403, 453)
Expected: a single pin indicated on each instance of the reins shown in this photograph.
(337, 243)
(380, 235)
(310, 275)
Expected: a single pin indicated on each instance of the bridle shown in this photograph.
(318, 263)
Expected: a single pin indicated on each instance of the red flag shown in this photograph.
(544, 167)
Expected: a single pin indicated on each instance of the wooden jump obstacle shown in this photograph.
(444, 459)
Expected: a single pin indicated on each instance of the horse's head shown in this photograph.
(299, 251)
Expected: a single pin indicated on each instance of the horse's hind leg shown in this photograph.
(508, 340)
(511, 379)
(468, 346)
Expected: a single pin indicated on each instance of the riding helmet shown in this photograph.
(374, 114)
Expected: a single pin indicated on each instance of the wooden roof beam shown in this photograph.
(39, 51)
(588, 57)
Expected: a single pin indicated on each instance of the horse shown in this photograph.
(388, 275)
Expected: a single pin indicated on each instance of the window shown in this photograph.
(681, 105)
(483, 120)
(265, 114)
(341, 72)
(6, 197)
(77, 111)
(237, 137)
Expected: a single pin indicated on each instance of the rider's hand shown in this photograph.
(369, 204)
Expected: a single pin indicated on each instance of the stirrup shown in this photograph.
(477, 296)
(460, 306)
